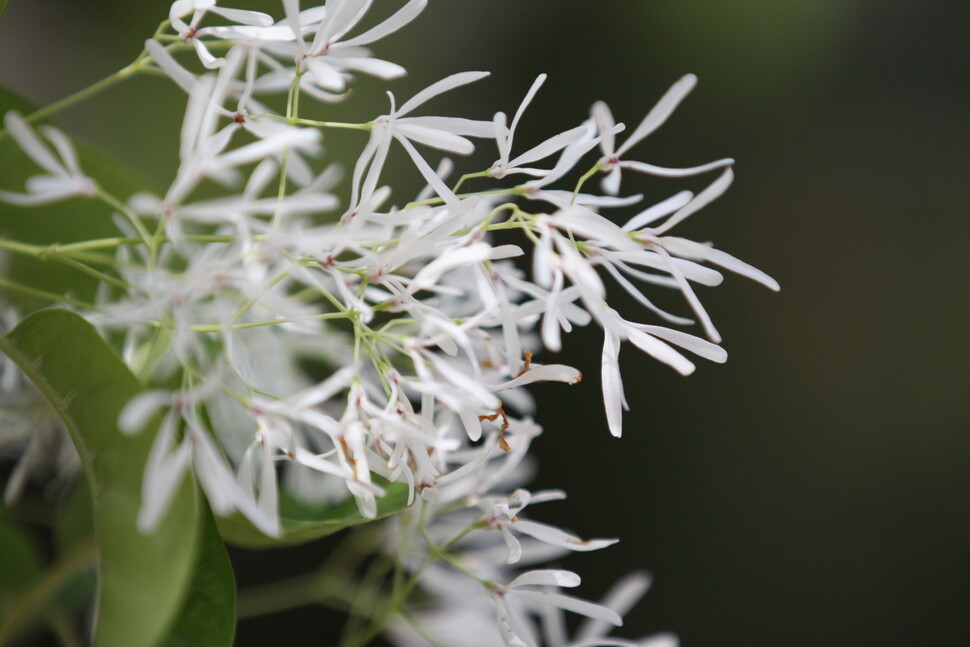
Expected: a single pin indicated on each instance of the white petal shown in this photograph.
(613, 398)
(712, 192)
(659, 210)
(604, 124)
(435, 138)
(140, 409)
(403, 16)
(30, 143)
(545, 373)
(527, 100)
(661, 351)
(182, 77)
(548, 147)
(373, 66)
(556, 537)
(569, 603)
(696, 345)
(662, 171)
(433, 90)
(664, 108)
(737, 266)
(546, 577)
(244, 16)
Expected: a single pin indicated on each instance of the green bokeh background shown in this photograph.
(813, 490)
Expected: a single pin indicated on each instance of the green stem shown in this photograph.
(469, 176)
(517, 190)
(47, 296)
(132, 68)
(132, 217)
(33, 604)
(588, 174)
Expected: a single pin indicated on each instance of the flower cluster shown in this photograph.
(292, 341)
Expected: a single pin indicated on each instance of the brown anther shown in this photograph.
(487, 363)
(345, 448)
(527, 363)
(239, 118)
(189, 34)
(502, 443)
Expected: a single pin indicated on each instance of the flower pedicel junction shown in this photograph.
(310, 364)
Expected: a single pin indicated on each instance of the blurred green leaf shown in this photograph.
(74, 528)
(143, 579)
(19, 561)
(302, 522)
(3, 5)
(208, 616)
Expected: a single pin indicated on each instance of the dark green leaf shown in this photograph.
(73, 529)
(302, 522)
(208, 616)
(142, 579)
(19, 561)
(3, 5)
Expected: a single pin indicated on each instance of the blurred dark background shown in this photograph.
(816, 488)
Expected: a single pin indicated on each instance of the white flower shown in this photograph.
(65, 179)
(612, 162)
(504, 514)
(189, 31)
(504, 134)
(443, 133)
(654, 341)
(535, 590)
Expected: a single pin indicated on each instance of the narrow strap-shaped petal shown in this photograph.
(660, 351)
(427, 172)
(634, 292)
(570, 603)
(604, 124)
(31, 143)
(663, 171)
(711, 193)
(292, 10)
(738, 266)
(595, 227)
(455, 125)
(326, 75)
(557, 537)
(660, 112)
(341, 17)
(696, 345)
(375, 67)
(545, 373)
(614, 400)
(692, 299)
(244, 16)
(621, 598)
(404, 15)
(527, 100)
(167, 63)
(439, 87)
(659, 210)
(546, 577)
(435, 138)
(548, 147)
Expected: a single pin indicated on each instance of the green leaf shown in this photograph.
(74, 528)
(142, 580)
(301, 522)
(19, 561)
(208, 616)
(3, 5)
